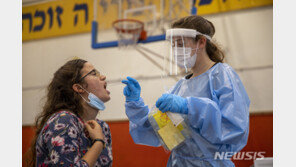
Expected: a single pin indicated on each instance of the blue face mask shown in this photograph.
(94, 101)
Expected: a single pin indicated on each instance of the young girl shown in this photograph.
(68, 133)
(212, 98)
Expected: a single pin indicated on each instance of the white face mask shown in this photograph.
(183, 57)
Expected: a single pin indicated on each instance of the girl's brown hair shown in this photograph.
(60, 96)
(203, 26)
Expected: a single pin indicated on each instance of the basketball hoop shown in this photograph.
(129, 31)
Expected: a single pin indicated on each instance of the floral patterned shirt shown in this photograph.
(63, 141)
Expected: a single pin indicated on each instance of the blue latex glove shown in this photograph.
(132, 90)
(172, 103)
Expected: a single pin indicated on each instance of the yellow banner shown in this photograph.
(217, 6)
(56, 18)
(65, 17)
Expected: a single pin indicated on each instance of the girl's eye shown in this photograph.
(94, 73)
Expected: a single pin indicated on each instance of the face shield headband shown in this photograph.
(175, 32)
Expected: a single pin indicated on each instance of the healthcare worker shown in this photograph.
(212, 98)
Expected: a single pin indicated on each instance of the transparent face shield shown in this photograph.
(179, 44)
(182, 51)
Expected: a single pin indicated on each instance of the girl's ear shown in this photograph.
(77, 88)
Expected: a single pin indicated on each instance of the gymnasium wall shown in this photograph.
(246, 37)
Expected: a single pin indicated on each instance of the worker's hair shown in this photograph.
(60, 96)
(203, 26)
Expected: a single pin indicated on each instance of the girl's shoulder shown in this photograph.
(64, 117)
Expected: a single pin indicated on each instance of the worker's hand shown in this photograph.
(172, 103)
(94, 130)
(132, 90)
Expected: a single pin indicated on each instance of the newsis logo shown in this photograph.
(249, 155)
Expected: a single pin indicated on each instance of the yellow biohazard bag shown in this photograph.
(171, 129)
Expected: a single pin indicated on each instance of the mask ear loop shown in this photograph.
(206, 36)
(196, 48)
(81, 95)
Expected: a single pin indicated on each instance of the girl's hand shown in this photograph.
(94, 130)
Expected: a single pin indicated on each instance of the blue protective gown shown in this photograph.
(218, 115)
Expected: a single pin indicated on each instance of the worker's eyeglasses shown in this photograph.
(92, 72)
